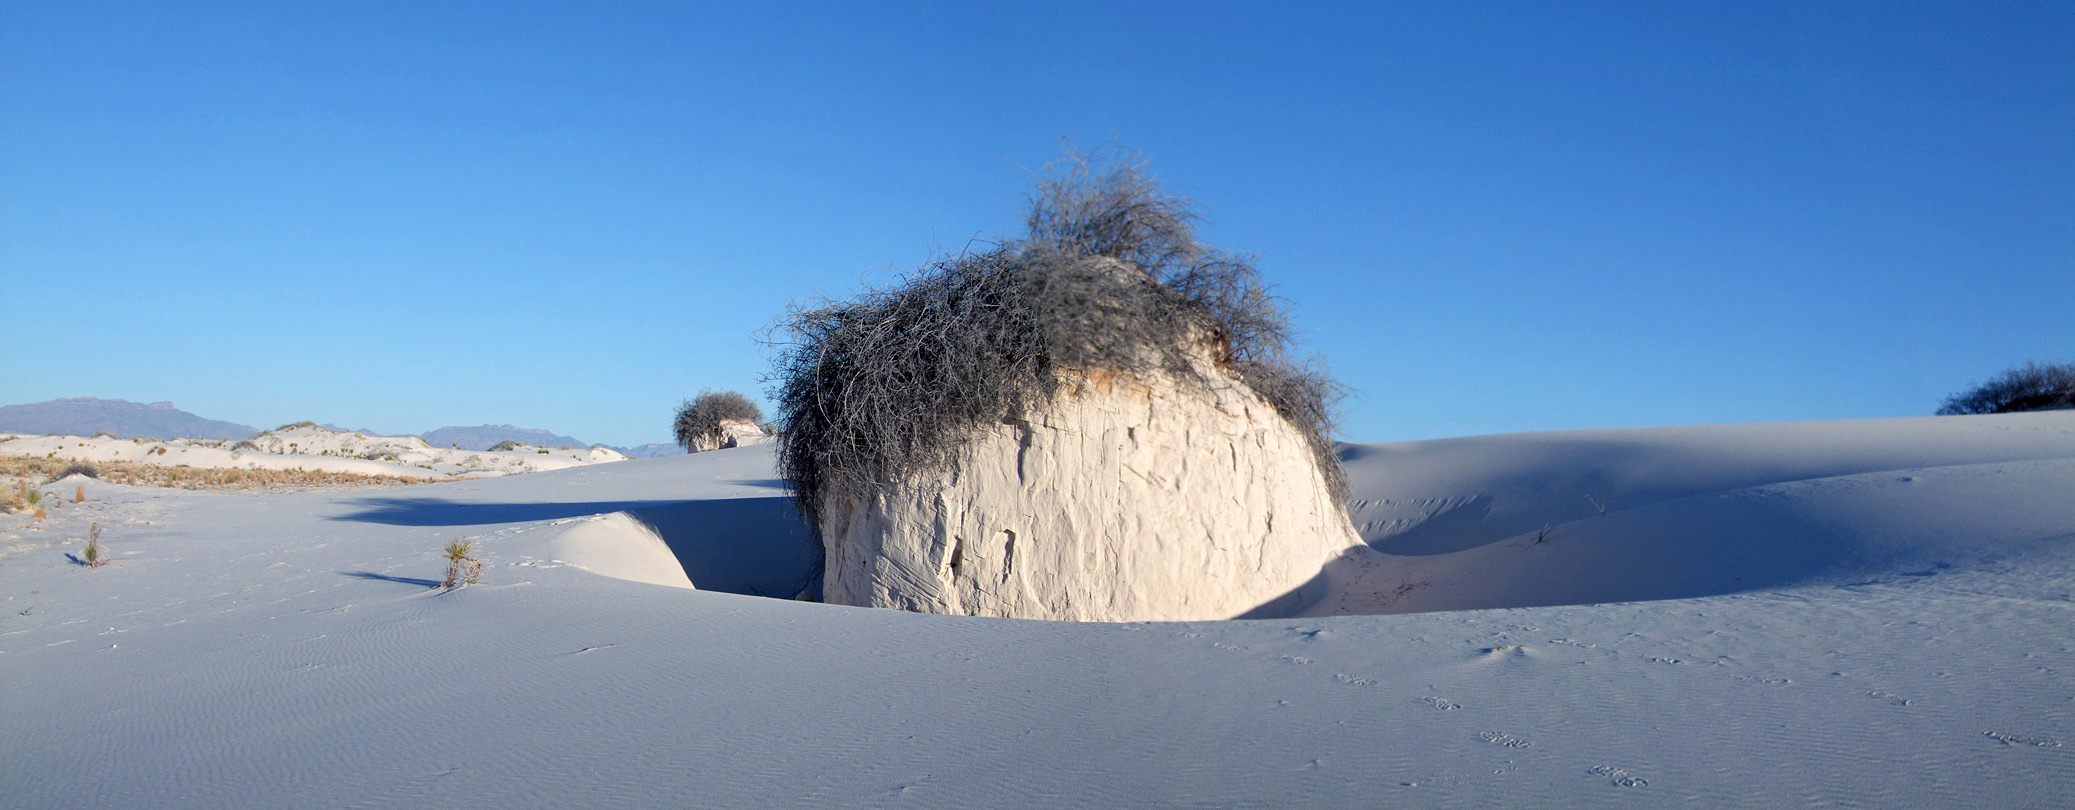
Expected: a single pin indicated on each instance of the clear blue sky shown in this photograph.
(1486, 217)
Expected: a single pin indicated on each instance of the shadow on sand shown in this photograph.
(751, 546)
(422, 583)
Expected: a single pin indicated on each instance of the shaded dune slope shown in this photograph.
(1482, 522)
(1583, 517)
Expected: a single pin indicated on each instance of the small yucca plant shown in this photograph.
(462, 566)
(95, 554)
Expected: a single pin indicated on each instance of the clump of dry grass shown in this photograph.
(79, 494)
(32, 498)
(462, 566)
(151, 475)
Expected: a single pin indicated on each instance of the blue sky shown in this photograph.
(1485, 217)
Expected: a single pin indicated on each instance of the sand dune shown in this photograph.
(1866, 613)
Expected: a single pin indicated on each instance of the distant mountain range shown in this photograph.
(652, 450)
(483, 437)
(86, 416)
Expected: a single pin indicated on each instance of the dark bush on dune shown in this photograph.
(1109, 277)
(87, 470)
(701, 418)
(2030, 387)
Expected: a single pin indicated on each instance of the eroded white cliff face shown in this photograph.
(1123, 500)
(732, 433)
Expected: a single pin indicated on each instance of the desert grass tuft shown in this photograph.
(79, 494)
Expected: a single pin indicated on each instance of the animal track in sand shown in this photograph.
(1766, 681)
(2013, 739)
(1350, 679)
(1440, 703)
(1507, 740)
(1618, 776)
(1296, 659)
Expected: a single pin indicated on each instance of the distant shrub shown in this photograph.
(2030, 387)
(699, 420)
(1110, 276)
(243, 445)
(293, 425)
(507, 444)
(87, 470)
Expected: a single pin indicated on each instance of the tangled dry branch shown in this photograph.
(1109, 277)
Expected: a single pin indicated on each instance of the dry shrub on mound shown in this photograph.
(701, 418)
(2030, 387)
(1109, 277)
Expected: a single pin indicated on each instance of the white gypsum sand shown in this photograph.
(1823, 632)
(309, 448)
(1122, 498)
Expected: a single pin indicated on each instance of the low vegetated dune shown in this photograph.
(308, 448)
